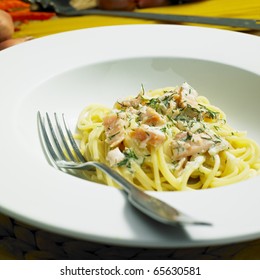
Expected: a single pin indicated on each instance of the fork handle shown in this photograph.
(125, 184)
(151, 206)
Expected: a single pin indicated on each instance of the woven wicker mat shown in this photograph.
(19, 241)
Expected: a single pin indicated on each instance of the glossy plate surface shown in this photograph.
(67, 71)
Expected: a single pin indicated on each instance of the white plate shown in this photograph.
(67, 71)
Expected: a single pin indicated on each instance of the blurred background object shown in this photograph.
(21, 11)
(153, 3)
(7, 26)
(123, 5)
(117, 4)
(83, 4)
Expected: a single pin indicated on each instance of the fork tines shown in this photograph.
(58, 139)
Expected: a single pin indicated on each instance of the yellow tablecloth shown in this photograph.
(219, 8)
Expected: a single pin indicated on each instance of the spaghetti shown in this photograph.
(168, 139)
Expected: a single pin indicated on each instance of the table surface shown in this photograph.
(217, 8)
(21, 241)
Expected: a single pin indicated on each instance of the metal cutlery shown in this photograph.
(58, 142)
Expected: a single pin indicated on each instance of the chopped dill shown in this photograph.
(112, 136)
(209, 113)
(166, 100)
(142, 87)
(129, 156)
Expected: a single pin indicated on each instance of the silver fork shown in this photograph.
(59, 144)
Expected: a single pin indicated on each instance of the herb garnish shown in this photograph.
(129, 156)
(154, 103)
(166, 100)
(112, 136)
(209, 113)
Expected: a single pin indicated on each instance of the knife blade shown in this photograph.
(170, 18)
